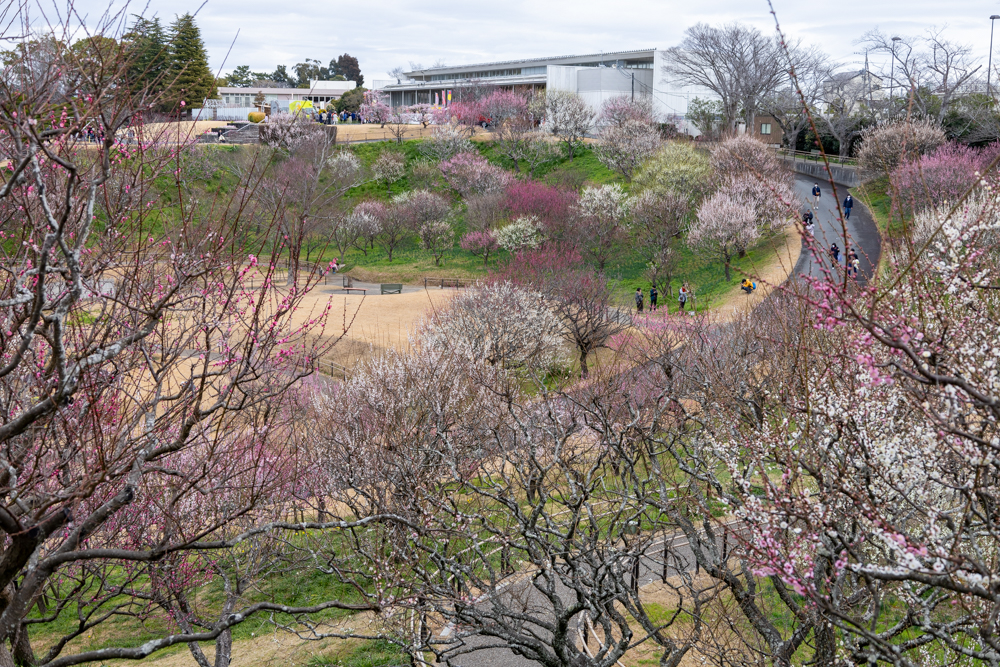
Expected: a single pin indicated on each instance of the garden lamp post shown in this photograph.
(989, 66)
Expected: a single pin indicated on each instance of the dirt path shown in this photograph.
(787, 249)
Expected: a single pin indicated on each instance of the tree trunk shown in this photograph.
(584, 371)
(224, 649)
(725, 258)
(826, 644)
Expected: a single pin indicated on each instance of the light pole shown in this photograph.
(989, 67)
(892, 71)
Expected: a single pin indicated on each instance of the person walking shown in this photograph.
(682, 296)
(853, 262)
(807, 222)
(817, 193)
(848, 205)
(835, 252)
(638, 299)
(653, 296)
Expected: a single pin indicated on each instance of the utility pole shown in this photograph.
(633, 86)
(989, 67)
(892, 71)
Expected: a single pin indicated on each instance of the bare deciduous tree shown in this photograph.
(736, 62)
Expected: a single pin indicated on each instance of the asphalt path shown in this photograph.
(858, 233)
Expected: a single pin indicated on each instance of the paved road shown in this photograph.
(861, 232)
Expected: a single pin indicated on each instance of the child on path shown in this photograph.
(835, 252)
(748, 285)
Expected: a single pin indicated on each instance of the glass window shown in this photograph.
(765, 128)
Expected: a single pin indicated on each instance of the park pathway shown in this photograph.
(861, 232)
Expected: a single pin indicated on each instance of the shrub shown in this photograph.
(678, 167)
(424, 175)
(885, 147)
(525, 232)
(256, 116)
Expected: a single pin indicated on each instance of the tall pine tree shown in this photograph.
(149, 57)
(189, 77)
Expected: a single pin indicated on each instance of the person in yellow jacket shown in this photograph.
(748, 286)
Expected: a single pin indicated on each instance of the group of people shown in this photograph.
(817, 194)
(852, 261)
(332, 117)
(683, 295)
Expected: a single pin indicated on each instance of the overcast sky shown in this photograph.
(386, 33)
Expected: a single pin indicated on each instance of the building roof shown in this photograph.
(610, 56)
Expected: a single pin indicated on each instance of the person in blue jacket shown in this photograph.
(653, 295)
(848, 205)
(816, 195)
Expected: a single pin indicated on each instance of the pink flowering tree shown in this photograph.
(552, 206)
(422, 113)
(616, 111)
(722, 227)
(375, 108)
(943, 175)
(481, 243)
(471, 173)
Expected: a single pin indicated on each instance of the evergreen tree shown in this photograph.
(347, 66)
(282, 76)
(241, 77)
(189, 76)
(149, 56)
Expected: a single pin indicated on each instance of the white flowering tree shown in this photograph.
(524, 232)
(500, 324)
(389, 167)
(624, 147)
(601, 215)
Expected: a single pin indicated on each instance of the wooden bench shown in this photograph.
(446, 282)
(363, 290)
(392, 288)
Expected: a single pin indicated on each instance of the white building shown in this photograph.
(596, 77)
(235, 103)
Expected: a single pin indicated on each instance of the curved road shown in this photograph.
(860, 233)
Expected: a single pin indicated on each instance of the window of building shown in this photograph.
(765, 128)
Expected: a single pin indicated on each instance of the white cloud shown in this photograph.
(386, 33)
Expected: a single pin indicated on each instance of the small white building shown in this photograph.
(235, 103)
